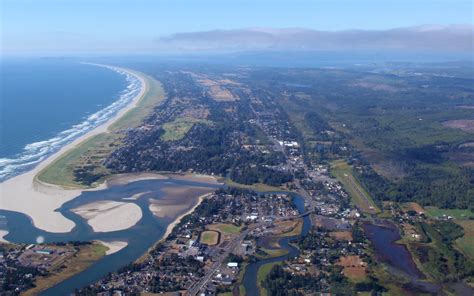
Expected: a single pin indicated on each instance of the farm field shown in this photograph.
(435, 212)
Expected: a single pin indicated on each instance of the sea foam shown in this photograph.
(34, 153)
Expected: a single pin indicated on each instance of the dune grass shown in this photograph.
(92, 151)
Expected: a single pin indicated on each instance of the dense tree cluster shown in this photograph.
(282, 283)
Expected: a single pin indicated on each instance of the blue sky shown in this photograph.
(116, 25)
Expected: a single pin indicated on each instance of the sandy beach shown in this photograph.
(178, 219)
(108, 215)
(2, 235)
(25, 194)
(113, 246)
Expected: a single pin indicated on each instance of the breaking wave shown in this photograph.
(35, 153)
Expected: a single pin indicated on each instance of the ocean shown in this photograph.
(47, 103)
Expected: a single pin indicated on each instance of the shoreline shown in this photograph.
(178, 219)
(173, 224)
(26, 194)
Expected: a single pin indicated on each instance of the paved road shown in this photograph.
(219, 260)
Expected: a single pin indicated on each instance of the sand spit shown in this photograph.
(176, 200)
(107, 215)
(123, 179)
(25, 194)
(172, 225)
(136, 196)
(196, 178)
(113, 246)
(3, 233)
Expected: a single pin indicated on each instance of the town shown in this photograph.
(295, 216)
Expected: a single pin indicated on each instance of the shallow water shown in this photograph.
(139, 237)
(383, 237)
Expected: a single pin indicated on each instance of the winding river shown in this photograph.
(140, 237)
(250, 276)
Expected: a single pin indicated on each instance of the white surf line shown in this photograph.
(34, 153)
(25, 194)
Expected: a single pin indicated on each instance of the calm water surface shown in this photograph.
(140, 237)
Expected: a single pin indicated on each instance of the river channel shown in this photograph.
(140, 237)
(250, 276)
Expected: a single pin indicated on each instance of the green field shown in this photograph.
(257, 186)
(92, 151)
(270, 253)
(153, 96)
(466, 245)
(61, 171)
(262, 273)
(87, 255)
(466, 242)
(209, 237)
(178, 128)
(435, 212)
(225, 228)
(359, 196)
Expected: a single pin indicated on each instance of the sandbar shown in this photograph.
(3, 233)
(178, 202)
(25, 194)
(113, 246)
(108, 215)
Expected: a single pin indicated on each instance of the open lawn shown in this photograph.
(296, 227)
(87, 255)
(343, 172)
(354, 268)
(257, 186)
(412, 206)
(262, 273)
(209, 237)
(341, 235)
(178, 128)
(466, 242)
(154, 95)
(225, 228)
(434, 212)
(271, 253)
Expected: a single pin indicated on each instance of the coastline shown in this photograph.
(26, 194)
(178, 219)
(172, 225)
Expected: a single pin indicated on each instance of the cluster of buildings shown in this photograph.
(20, 264)
(204, 253)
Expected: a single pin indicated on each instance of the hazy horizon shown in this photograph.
(84, 27)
